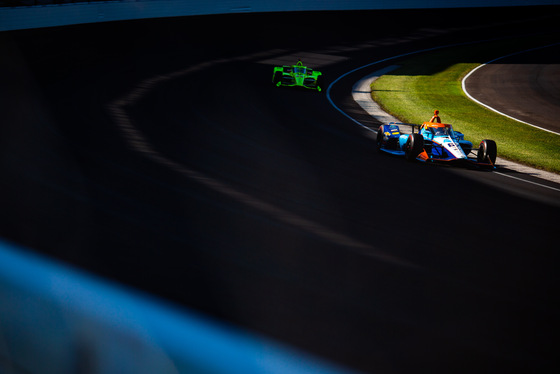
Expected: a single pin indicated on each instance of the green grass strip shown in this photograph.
(432, 81)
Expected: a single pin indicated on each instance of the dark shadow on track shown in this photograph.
(265, 207)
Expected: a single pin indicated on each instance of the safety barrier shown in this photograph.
(48, 13)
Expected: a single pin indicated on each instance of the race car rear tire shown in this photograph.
(414, 146)
(379, 138)
(487, 151)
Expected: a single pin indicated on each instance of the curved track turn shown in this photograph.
(266, 207)
(525, 86)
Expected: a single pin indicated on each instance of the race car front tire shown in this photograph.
(320, 83)
(487, 151)
(413, 147)
(277, 78)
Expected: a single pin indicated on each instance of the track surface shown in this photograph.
(524, 86)
(267, 208)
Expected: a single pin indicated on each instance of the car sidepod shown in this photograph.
(314, 80)
(442, 149)
(448, 149)
(464, 144)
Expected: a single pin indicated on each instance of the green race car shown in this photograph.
(297, 75)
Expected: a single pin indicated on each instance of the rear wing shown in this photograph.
(412, 125)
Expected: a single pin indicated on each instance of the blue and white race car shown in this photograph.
(434, 142)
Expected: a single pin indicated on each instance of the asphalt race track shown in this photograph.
(525, 86)
(158, 154)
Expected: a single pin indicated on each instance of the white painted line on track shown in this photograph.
(463, 86)
(526, 181)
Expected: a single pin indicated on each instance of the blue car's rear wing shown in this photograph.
(412, 125)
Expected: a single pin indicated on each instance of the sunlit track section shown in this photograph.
(360, 96)
(374, 63)
(464, 86)
(139, 143)
(361, 93)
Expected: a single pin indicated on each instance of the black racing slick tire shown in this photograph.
(413, 147)
(277, 78)
(320, 83)
(487, 152)
(379, 138)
